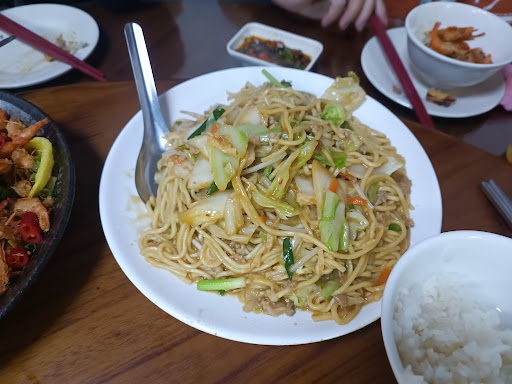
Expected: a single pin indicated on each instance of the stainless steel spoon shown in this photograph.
(153, 143)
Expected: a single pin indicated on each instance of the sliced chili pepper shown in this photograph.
(17, 257)
(29, 228)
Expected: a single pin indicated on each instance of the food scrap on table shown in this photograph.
(440, 98)
(274, 52)
(397, 90)
(451, 42)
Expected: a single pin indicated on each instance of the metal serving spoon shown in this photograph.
(153, 143)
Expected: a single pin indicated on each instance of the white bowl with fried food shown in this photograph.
(443, 71)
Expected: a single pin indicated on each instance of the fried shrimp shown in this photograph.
(19, 136)
(451, 42)
(33, 204)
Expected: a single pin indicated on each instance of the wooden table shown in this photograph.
(84, 322)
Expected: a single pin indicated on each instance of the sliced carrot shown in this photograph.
(334, 186)
(263, 218)
(383, 277)
(176, 160)
(214, 128)
(357, 201)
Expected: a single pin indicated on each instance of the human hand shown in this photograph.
(358, 12)
(345, 12)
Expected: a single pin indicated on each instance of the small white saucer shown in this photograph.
(470, 101)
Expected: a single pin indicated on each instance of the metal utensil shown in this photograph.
(153, 143)
(7, 40)
(499, 199)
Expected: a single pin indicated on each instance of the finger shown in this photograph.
(353, 8)
(334, 12)
(364, 15)
(293, 5)
(313, 9)
(380, 11)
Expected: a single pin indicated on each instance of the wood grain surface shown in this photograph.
(84, 322)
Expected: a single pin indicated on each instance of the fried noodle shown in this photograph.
(244, 238)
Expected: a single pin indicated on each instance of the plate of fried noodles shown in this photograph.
(284, 201)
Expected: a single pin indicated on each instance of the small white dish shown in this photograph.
(470, 101)
(123, 220)
(22, 65)
(479, 260)
(308, 46)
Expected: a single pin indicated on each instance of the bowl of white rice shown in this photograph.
(447, 310)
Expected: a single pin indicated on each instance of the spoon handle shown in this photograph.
(145, 82)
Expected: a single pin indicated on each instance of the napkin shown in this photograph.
(506, 101)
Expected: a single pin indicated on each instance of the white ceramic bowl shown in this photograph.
(308, 46)
(444, 72)
(482, 260)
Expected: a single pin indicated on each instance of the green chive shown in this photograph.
(217, 112)
(395, 227)
(221, 284)
(268, 171)
(288, 256)
(212, 189)
(31, 247)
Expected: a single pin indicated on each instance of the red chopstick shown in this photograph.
(51, 49)
(403, 76)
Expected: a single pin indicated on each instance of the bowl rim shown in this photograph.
(387, 306)
(431, 52)
(68, 200)
(255, 61)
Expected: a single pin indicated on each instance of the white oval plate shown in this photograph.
(223, 316)
(23, 66)
(470, 101)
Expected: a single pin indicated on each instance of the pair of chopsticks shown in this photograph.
(499, 199)
(50, 49)
(401, 72)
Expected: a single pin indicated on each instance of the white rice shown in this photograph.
(445, 335)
